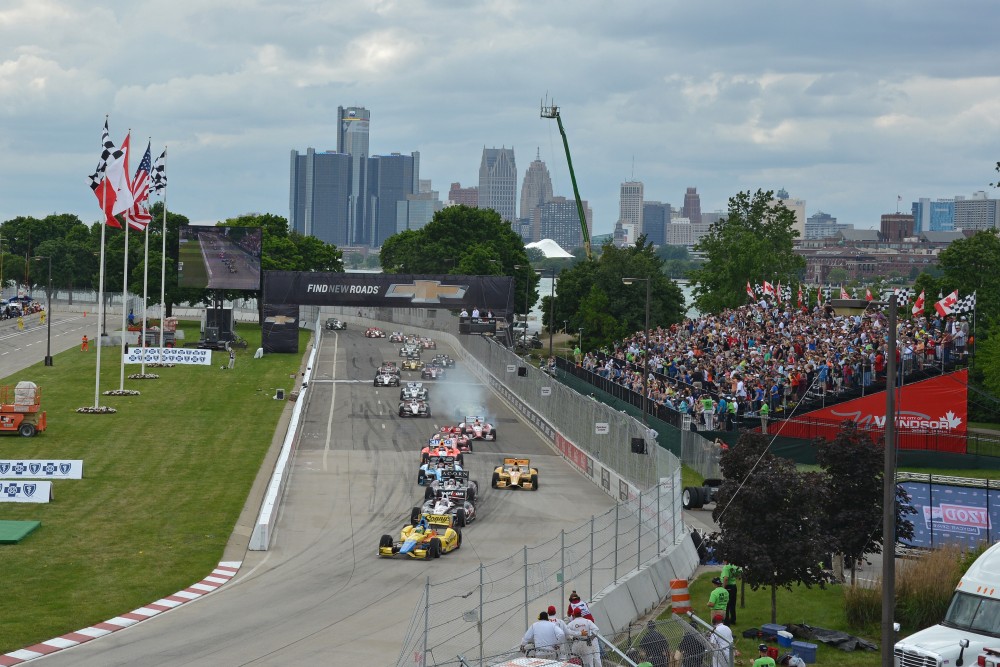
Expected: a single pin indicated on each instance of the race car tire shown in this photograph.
(385, 541)
(496, 480)
(460, 459)
(428, 414)
(460, 518)
(434, 549)
(414, 516)
(428, 493)
(424, 457)
(534, 482)
(458, 540)
(375, 383)
(473, 488)
(494, 435)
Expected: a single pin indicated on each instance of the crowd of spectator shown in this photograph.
(765, 357)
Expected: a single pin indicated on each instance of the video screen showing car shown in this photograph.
(219, 257)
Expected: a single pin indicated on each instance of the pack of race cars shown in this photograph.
(450, 495)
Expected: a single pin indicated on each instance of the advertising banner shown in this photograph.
(41, 469)
(389, 290)
(25, 492)
(280, 332)
(171, 355)
(949, 514)
(930, 414)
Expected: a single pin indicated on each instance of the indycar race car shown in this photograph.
(396, 337)
(455, 502)
(386, 379)
(431, 373)
(412, 363)
(374, 332)
(441, 449)
(413, 390)
(389, 367)
(478, 429)
(452, 480)
(516, 473)
(435, 468)
(335, 324)
(429, 536)
(428, 343)
(409, 349)
(414, 408)
(454, 434)
(443, 360)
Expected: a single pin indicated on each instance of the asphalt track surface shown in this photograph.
(321, 596)
(22, 348)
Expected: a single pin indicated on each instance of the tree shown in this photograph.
(771, 518)
(754, 242)
(969, 265)
(591, 294)
(837, 275)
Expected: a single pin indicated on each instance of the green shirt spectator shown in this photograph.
(718, 600)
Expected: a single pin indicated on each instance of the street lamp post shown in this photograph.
(645, 353)
(48, 312)
(527, 289)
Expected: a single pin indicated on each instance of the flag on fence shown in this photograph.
(966, 304)
(843, 293)
(918, 307)
(158, 175)
(138, 215)
(750, 292)
(868, 295)
(946, 305)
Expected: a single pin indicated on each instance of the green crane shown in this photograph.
(553, 112)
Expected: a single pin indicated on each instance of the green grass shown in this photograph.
(690, 477)
(973, 473)
(992, 426)
(195, 273)
(164, 482)
(817, 607)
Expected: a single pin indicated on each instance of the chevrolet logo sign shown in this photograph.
(280, 319)
(426, 291)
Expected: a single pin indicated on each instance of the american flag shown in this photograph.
(966, 304)
(103, 189)
(158, 175)
(138, 215)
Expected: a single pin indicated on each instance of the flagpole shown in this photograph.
(163, 262)
(145, 296)
(100, 312)
(121, 385)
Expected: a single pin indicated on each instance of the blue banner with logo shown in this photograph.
(168, 355)
(41, 469)
(947, 514)
(25, 492)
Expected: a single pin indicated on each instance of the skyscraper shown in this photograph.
(352, 139)
(389, 179)
(655, 218)
(536, 188)
(630, 210)
(498, 182)
(796, 206)
(558, 219)
(692, 206)
(320, 195)
(977, 213)
(933, 216)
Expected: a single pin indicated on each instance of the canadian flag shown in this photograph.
(800, 295)
(768, 288)
(918, 307)
(868, 295)
(843, 293)
(750, 291)
(947, 304)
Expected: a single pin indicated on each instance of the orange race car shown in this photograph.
(441, 448)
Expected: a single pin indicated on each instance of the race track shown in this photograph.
(321, 596)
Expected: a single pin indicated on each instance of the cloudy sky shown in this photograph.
(845, 104)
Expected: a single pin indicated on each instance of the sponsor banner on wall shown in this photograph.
(41, 469)
(25, 492)
(930, 414)
(389, 290)
(280, 332)
(171, 355)
(949, 514)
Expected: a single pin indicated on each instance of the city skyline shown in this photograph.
(894, 113)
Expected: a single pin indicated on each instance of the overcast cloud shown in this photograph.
(845, 104)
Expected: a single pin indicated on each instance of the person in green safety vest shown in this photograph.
(718, 600)
(764, 660)
(730, 575)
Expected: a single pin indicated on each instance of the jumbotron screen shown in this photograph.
(219, 257)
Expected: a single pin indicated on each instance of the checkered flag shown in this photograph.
(826, 294)
(966, 304)
(758, 290)
(158, 175)
(786, 293)
(902, 296)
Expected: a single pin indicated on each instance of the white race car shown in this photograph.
(413, 390)
(476, 428)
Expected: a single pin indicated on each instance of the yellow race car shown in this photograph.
(426, 536)
(412, 364)
(515, 473)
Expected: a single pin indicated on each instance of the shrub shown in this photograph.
(863, 605)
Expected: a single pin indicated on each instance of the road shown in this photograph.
(321, 596)
(20, 349)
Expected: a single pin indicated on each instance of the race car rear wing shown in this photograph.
(461, 475)
(443, 520)
(516, 462)
(441, 459)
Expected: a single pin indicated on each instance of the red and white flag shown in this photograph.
(138, 215)
(106, 176)
(121, 181)
(843, 293)
(777, 292)
(946, 305)
(918, 306)
(750, 291)
(800, 295)
(868, 295)
(768, 288)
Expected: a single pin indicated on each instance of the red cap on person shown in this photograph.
(718, 618)
(577, 612)
(552, 610)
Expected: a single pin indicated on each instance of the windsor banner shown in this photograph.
(389, 290)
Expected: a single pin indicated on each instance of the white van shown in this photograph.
(971, 625)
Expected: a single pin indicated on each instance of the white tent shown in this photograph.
(550, 248)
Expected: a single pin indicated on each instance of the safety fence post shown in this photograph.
(525, 585)
(427, 619)
(562, 564)
(591, 595)
(617, 505)
(480, 614)
(659, 517)
(638, 531)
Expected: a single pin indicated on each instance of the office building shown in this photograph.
(320, 195)
(977, 213)
(389, 179)
(630, 209)
(459, 196)
(933, 216)
(498, 182)
(896, 227)
(558, 219)
(692, 206)
(536, 188)
(822, 225)
(797, 207)
(352, 139)
(655, 219)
